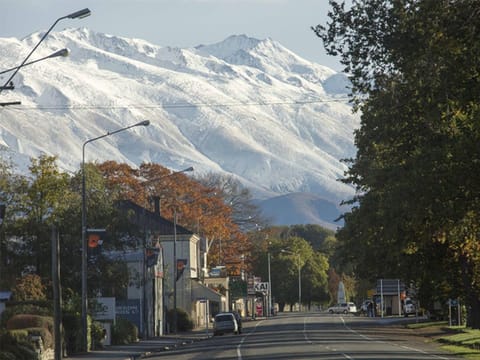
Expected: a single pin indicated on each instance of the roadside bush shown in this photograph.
(10, 311)
(14, 345)
(184, 323)
(97, 335)
(72, 325)
(124, 332)
(23, 321)
(37, 325)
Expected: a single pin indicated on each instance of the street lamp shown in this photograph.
(76, 15)
(62, 52)
(299, 277)
(269, 298)
(84, 229)
(144, 270)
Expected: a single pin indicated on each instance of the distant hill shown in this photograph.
(302, 208)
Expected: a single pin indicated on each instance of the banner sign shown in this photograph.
(181, 265)
(152, 256)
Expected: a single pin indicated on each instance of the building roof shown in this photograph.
(150, 220)
(5, 295)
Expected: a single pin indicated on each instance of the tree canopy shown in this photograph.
(414, 67)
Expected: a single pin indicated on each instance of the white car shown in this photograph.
(225, 323)
(409, 307)
(343, 308)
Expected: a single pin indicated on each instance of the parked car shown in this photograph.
(343, 308)
(409, 307)
(225, 323)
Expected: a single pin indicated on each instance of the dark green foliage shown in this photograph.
(97, 335)
(414, 69)
(15, 346)
(12, 310)
(35, 325)
(23, 321)
(72, 325)
(184, 323)
(124, 332)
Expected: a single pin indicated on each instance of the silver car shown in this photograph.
(225, 323)
(343, 308)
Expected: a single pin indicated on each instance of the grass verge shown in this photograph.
(458, 340)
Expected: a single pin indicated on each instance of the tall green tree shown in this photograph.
(415, 78)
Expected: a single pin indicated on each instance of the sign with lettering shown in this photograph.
(129, 309)
(261, 287)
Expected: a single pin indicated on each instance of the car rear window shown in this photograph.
(223, 318)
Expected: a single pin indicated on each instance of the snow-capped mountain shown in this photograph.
(246, 107)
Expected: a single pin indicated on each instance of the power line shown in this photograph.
(180, 105)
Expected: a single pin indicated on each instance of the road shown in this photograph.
(313, 336)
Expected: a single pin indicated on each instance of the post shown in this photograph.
(84, 222)
(57, 297)
(76, 15)
(206, 315)
(299, 285)
(175, 271)
(84, 257)
(399, 299)
(146, 326)
(269, 305)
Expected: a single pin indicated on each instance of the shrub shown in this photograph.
(29, 287)
(10, 311)
(35, 325)
(97, 335)
(184, 323)
(73, 332)
(23, 321)
(124, 332)
(14, 345)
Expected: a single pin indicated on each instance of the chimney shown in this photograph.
(156, 201)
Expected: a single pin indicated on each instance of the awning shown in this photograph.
(202, 292)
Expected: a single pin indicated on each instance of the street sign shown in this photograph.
(261, 287)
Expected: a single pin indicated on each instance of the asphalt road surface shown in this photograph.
(300, 336)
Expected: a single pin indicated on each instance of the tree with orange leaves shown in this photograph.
(200, 207)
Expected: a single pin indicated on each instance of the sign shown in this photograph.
(181, 265)
(261, 287)
(129, 309)
(106, 308)
(95, 241)
(152, 256)
(250, 284)
(389, 286)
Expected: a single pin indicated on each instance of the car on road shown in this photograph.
(409, 307)
(343, 308)
(225, 323)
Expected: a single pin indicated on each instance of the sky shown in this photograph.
(180, 23)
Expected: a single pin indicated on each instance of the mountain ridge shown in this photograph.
(244, 107)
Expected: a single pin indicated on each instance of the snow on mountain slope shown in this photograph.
(246, 107)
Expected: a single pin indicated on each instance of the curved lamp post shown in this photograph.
(76, 15)
(146, 183)
(84, 230)
(63, 52)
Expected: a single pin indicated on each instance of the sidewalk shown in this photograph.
(143, 348)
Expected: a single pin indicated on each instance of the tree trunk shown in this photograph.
(472, 296)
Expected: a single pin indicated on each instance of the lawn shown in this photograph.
(455, 339)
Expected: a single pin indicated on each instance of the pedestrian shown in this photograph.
(370, 309)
